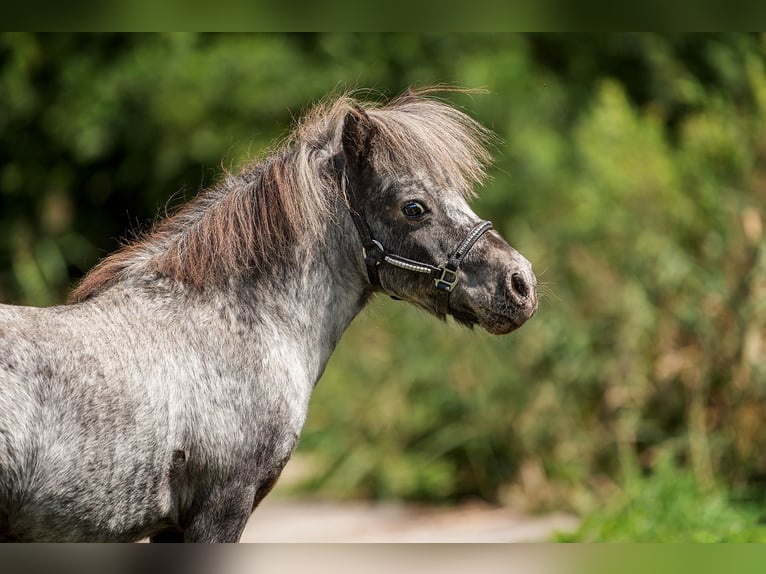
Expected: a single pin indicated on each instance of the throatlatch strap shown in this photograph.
(374, 252)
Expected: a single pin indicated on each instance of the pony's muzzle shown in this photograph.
(521, 290)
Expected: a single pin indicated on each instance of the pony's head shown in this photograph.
(409, 169)
(406, 171)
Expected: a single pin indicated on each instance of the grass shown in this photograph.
(670, 506)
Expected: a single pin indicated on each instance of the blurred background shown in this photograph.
(631, 171)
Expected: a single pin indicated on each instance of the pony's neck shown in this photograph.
(315, 295)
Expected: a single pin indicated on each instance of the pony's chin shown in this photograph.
(499, 324)
(465, 317)
(493, 323)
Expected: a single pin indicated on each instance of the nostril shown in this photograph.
(519, 285)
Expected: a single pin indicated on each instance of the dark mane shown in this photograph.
(252, 218)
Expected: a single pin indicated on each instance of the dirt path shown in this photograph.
(280, 518)
(309, 521)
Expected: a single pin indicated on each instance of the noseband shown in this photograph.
(445, 276)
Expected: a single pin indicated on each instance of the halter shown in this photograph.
(445, 276)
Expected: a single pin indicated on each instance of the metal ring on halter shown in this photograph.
(377, 244)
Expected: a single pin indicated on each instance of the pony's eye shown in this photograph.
(413, 210)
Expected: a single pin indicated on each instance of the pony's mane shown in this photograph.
(250, 219)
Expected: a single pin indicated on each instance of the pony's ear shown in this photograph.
(358, 135)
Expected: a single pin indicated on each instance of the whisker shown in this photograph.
(545, 292)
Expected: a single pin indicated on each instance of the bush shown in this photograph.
(670, 506)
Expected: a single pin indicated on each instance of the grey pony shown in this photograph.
(165, 398)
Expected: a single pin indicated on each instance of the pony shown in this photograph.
(164, 399)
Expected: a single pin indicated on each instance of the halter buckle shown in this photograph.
(376, 256)
(447, 280)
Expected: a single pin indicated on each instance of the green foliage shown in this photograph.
(641, 210)
(632, 173)
(670, 506)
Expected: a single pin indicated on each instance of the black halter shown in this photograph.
(445, 276)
